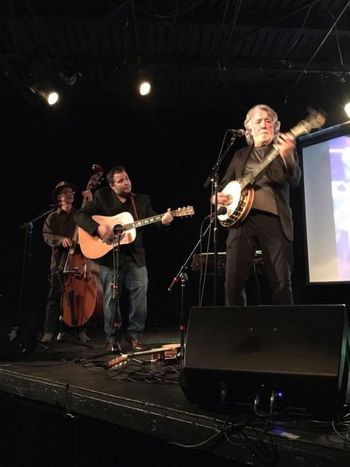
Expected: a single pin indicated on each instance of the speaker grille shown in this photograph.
(300, 351)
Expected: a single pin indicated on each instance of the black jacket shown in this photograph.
(281, 178)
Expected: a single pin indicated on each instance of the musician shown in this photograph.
(268, 225)
(122, 267)
(58, 230)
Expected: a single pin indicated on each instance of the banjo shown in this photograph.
(241, 190)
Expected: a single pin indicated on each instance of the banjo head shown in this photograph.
(232, 189)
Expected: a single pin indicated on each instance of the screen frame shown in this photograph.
(304, 141)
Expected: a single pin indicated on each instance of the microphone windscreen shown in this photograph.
(222, 210)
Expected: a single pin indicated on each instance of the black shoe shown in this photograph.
(83, 337)
(113, 346)
(47, 338)
(61, 337)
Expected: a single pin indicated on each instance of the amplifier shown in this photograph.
(205, 261)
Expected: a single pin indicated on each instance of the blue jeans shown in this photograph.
(135, 280)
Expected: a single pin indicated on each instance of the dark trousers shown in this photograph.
(259, 231)
(53, 323)
(53, 304)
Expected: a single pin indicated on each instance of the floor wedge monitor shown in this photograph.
(17, 331)
(268, 358)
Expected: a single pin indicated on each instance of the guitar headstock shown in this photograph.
(312, 121)
(181, 212)
(117, 361)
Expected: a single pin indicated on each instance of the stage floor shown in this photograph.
(75, 404)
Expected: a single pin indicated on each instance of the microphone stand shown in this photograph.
(118, 234)
(27, 255)
(213, 179)
(183, 277)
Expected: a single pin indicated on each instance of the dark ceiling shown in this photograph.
(203, 54)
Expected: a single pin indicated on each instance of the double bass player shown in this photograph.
(58, 231)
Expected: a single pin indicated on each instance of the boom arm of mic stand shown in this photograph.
(178, 275)
(29, 224)
(212, 174)
(27, 254)
(215, 169)
(182, 276)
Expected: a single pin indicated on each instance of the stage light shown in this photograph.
(51, 97)
(347, 109)
(144, 87)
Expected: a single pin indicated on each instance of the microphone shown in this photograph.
(55, 205)
(220, 211)
(118, 229)
(237, 132)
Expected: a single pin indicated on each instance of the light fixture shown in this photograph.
(144, 87)
(50, 96)
(347, 109)
(144, 82)
(69, 76)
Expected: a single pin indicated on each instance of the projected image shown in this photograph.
(326, 180)
(339, 150)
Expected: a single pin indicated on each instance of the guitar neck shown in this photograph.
(249, 178)
(142, 222)
(158, 217)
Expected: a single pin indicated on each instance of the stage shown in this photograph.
(73, 404)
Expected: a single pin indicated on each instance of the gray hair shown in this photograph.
(248, 118)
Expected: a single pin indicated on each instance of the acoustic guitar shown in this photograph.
(166, 351)
(241, 190)
(124, 226)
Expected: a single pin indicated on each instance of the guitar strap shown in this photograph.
(134, 206)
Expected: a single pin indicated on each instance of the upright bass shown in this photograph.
(80, 296)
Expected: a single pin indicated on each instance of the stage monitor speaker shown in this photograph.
(268, 358)
(17, 331)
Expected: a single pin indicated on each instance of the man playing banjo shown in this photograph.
(264, 220)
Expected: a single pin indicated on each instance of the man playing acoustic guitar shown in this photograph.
(264, 220)
(121, 260)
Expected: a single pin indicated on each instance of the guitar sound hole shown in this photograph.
(119, 230)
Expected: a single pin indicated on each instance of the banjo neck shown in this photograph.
(251, 176)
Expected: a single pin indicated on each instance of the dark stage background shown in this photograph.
(167, 153)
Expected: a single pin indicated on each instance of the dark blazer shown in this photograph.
(58, 224)
(107, 203)
(281, 178)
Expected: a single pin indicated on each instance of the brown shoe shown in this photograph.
(136, 345)
(133, 344)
